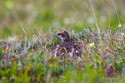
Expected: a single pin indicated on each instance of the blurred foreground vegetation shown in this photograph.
(28, 31)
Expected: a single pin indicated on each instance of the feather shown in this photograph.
(67, 47)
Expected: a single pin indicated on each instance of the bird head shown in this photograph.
(64, 36)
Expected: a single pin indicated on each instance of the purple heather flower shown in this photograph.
(109, 72)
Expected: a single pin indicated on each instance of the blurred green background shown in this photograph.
(28, 17)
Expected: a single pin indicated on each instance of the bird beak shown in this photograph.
(58, 34)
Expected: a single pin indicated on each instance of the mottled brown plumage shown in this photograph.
(67, 47)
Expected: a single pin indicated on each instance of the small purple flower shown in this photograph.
(6, 58)
(109, 72)
(24, 51)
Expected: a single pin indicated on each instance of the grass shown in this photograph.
(30, 59)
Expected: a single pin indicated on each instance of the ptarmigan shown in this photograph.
(67, 48)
